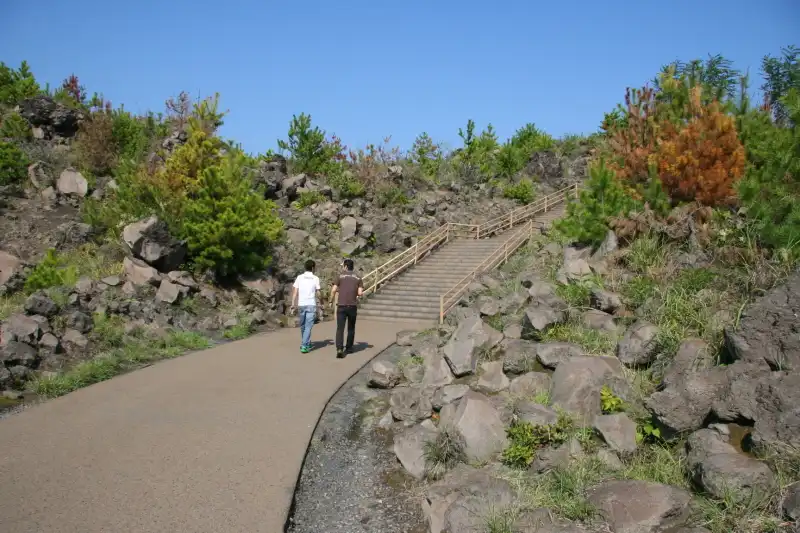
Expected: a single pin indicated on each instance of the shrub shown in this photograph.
(17, 85)
(525, 439)
(587, 219)
(13, 126)
(50, 272)
(703, 159)
(478, 153)
(370, 165)
(523, 191)
(309, 150)
(13, 164)
(229, 227)
(391, 195)
(132, 135)
(770, 190)
(632, 133)
(515, 153)
(427, 156)
(308, 198)
(444, 452)
(94, 144)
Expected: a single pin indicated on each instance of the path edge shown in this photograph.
(291, 510)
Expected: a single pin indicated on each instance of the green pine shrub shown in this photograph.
(427, 157)
(602, 198)
(17, 84)
(522, 191)
(14, 127)
(229, 227)
(13, 164)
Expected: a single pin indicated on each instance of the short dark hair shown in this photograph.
(348, 264)
(310, 264)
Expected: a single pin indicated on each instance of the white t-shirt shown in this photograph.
(307, 285)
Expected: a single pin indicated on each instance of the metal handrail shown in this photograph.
(448, 299)
(397, 264)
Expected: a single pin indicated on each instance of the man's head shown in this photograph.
(310, 265)
(348, 264)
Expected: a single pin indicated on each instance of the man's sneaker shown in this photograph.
(339, 354)
(304, 349)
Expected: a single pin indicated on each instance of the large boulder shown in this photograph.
(464, 348)
(723, 471)
(409, 447)
(577, 382)
(481, 425)
(53, 118)
(641, 506)
(464, 499)
(72, 183)
(769, 330)
(410, 404)
(150, 240)
(638, 346)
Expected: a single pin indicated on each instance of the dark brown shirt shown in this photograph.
(348, 284)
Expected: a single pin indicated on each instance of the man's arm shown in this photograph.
(360, 288)
(334, 290)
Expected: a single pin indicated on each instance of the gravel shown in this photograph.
(351, 481)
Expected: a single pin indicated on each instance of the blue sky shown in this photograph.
(368, 69)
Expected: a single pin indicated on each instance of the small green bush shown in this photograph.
(17, 84)
(13, 164)
(427, 156)
(387, 196)
(308, 198)
(587, 219)
(15, 127)
(229, 227)
(308, 148)
(526, 438)
(50, 272)
(523, 191)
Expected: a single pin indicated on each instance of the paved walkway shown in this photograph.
(209, 442)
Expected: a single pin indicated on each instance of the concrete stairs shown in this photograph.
(414, 294)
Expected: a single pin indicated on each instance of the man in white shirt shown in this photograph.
(305, 293)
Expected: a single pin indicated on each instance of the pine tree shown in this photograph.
(229, 227)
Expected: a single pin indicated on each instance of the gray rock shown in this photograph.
(112, 281)
(39, 303)
(577, 382)
(464, 498)
(638, 346)
(723, 471)
(513, 331)
(437, 371)
(150, 240)
(464, 348)
(492, 379)
(72, 183)
(79, 321)
(349, 226)
(618, 431)
(140, 273)
(519, 356)
(448, 394)
(383, 375)
(168, 292)
(74, 342)
(767, 332)
(533, 413)
(553, 457)
(21, 328)
(406, 338)
(530, 385)
(183, 278)
(14, 353)
(694, 355)
(594, 319)
(607, 301)
(410, 404)
(538, 318)
(480, 424)
(641, 506)
(685, 403)
(791, 502)
(609, 459)
(409, 447)
(550, 354)
(10, 266)
(354, 247)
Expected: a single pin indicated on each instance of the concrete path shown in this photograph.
(209, 442)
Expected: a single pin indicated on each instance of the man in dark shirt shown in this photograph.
(350, 289)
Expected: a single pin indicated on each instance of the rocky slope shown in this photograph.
(560, 398)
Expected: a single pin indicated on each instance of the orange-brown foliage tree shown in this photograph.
(634, 142)
(703, 159)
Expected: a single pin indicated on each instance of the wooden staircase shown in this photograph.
(424, 282)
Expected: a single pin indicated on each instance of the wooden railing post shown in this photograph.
(377, 277)
(441, 309)
(511, 222)
(416, 251)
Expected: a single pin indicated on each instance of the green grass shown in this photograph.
(242, 329)
(444, 452)
(11, 304)
(130, 353)
(595, 342)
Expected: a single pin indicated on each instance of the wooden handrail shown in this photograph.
(448, 299)
(397, 264)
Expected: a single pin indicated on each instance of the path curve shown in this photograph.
(209, 442)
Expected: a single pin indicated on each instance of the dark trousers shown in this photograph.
(346, 313)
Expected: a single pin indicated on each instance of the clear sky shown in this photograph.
(368, 69)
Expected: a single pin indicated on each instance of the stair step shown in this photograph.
(421, 298)
(399, 305)
(399, 315)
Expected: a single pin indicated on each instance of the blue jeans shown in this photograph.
(307, 315)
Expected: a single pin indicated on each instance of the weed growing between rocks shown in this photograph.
(444, 452)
